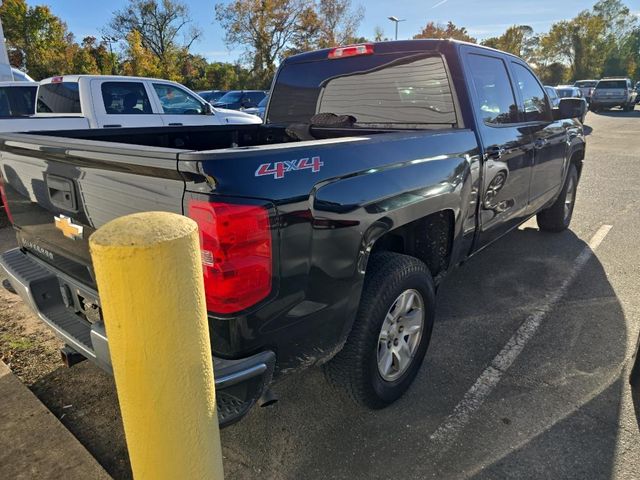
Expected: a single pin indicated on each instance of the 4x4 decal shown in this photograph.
(278, 169)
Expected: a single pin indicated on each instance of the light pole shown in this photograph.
(397, 20)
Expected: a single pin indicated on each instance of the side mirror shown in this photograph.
(207, 109)
(569, 108)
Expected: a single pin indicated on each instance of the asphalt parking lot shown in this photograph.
(526, 376)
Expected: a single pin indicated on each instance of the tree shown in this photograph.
(450, 30)
(138, 60)
(518, 40)
(338, 22)
(164, 28)
(37, 40)
(265, 28)
(619, 31)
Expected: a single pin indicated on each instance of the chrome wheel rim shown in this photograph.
(400, 335)
(569, 199)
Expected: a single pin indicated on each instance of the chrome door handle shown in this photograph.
(495, 152)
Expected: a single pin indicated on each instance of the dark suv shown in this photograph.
(613, 92)
(240, 99)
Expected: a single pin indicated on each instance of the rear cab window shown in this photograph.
(398, 90)
(59, 97)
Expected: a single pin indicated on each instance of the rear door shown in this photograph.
(127, 103)
(180, 107)
(549, 136)
(507, 146)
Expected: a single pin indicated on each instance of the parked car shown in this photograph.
(17, 99)
(211, 96)
(637, 89)
(553, 96)
(568, 91)
(259, 110)
(99, 101)
(613, 92)
(586, 87)
(240, 99)
(331, 225)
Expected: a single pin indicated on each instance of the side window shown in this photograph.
(256, 97)
(176, 101)
(496, 101)
(536, 107)
(125, 98)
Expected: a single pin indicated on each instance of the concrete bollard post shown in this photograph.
(149, 275)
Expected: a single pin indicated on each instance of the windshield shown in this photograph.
(263, 102)
(586, 83)
(611, 84)
(391, 90)
(230, 97)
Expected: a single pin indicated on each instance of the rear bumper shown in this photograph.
(607, 103)
(239, 383)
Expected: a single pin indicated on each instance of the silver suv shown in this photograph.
(613, 92)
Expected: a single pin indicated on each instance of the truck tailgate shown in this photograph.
(58, 194)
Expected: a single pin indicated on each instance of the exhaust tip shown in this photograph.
(267, 398)
(70, 357)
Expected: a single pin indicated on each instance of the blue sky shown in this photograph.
(483, 18)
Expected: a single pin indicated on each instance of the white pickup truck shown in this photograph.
(74, 102)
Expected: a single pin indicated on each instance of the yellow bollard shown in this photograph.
(149, 275)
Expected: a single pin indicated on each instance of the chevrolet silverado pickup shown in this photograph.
(325, 231)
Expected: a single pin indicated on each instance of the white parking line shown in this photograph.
(489, 379)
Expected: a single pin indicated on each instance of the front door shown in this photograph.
(508, 147)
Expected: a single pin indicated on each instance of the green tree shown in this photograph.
(579, 43)
(450, 30)
(619, 31)
(37, 40)
(518, 40)
(138, 61)
(160, 24)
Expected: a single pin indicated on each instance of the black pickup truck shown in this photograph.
(325, 231)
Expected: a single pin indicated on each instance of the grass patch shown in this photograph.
(15, 342)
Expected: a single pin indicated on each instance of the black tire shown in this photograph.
(557, 218)
(354, 370)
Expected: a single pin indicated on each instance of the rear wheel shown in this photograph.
(391, 333)
(557, 217)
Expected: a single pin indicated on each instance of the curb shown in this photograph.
(34, 444)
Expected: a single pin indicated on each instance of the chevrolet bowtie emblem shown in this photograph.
(68, 228)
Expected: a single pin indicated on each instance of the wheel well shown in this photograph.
(429, 239)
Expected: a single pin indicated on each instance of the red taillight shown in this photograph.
(235, 243)
(351, 51)
(5, 203)
(57, 79)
